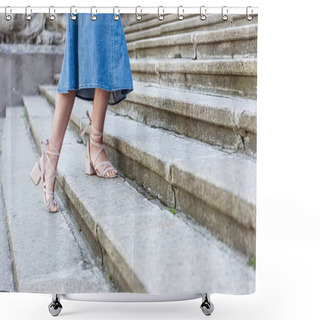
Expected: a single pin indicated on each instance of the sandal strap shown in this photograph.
(46, 182)
(98, 133)
(105, 162)
(107, 166)
(106, 169)
(46, 142)
(99, 145)
(98, 153)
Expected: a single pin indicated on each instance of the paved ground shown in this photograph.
(49, 252)
(6, 278)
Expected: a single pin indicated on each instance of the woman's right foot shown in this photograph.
(96, 159)
(112, 172)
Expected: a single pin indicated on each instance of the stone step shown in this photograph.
(215, 188)
(227, 122)
(134, 234)
(151, 27)
(220, 76)
(47, 250)
(6, 274)
(235, 43)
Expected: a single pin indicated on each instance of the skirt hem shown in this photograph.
(124, 91)
(94, 86)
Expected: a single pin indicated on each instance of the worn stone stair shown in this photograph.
(227, 122)
(221, 76)
(224, 43)
(141, 242)
(174, 61)
(194, 99)
(150, 26)
(212, 55)
(215, 188)
(47, 252)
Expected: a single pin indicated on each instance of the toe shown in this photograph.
(110, 173)
(54, 207)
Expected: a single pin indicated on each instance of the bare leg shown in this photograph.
(100, 105)
(63, 108)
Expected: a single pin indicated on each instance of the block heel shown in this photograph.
(89, 168)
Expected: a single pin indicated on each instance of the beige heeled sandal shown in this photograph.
(92, 166)
(38, 172)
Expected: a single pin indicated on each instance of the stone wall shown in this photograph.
(31, 52)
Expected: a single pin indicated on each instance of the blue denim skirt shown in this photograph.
(96, 56)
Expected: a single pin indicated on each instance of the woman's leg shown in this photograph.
(100, 105)
(63, 108)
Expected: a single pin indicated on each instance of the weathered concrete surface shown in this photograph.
(159, 163)
(135, 235)
(150, 27)
(236, 42)
(6, 274)
(222, 76)
(227, 122)
(48, 252)
(23, 67)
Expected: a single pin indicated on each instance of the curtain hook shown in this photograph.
(51, 16)
(180, 16)
(160, 16)
(115, 17)
(224, 16)
(8, 17)
(28, 16)
(93, 17)
(249, 17)
(138, 17)
(73, 16)
(203, 15)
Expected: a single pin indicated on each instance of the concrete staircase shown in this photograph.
(181, 145)
(44, 252)
(196, 78)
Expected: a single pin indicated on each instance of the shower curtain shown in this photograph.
(181, 215)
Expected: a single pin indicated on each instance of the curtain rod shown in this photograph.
(181, 10)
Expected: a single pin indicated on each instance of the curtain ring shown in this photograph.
(93, 17)
(51, 16)
(73, 16)
(8, 17)
(180, 16)
(203, 15)
(115, 17)
(249, 17)
(138, 17)
(224, 16)
(160, 16)
(28, 16)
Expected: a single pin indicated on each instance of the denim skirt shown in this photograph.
(95, 56)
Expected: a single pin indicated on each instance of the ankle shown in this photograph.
(53, 159)
(96, 140)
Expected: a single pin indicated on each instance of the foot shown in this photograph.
(50, 169)
(102, 157)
